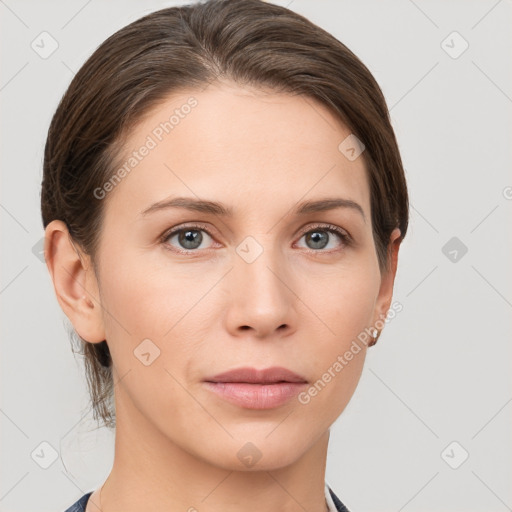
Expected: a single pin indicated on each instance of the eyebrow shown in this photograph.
(215, 208)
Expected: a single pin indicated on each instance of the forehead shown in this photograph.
(239, 146)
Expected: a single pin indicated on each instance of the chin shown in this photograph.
(260, 452)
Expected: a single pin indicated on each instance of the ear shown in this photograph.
(73, 278)
(385, 296)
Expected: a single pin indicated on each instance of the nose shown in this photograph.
(261, 296)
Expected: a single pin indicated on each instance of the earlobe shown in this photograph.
(74, 282)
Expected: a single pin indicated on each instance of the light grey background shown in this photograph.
(441, 370)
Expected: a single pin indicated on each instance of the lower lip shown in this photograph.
(256, 396)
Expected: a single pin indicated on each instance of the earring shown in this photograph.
(375, 336)
(89, 303)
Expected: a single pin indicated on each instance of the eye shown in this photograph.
(188, 238)
(320, 237)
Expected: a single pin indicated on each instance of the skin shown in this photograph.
(260, 153)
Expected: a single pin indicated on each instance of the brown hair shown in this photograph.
(249, 42)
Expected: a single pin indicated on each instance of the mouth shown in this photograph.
(273, 375)
(250, 388)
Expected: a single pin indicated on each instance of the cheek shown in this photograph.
(136, 304)
(145, 299)
(142, 294)
(344, 299)
(343, 307)
(146, 327)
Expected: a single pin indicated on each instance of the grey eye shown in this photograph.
(318, 239)
(190, 238)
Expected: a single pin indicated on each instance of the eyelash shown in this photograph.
(331, 228)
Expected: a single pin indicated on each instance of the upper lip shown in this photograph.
(255, 376)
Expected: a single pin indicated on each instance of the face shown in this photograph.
(188, 292)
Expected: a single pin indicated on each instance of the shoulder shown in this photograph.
(337, 502)
(79, 506)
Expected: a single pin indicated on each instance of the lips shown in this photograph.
(249, 375)
(250, 388)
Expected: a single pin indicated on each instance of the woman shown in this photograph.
(223, 201)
